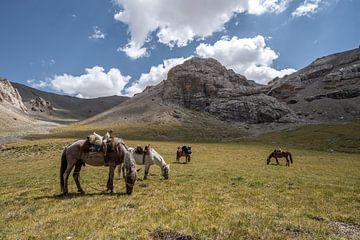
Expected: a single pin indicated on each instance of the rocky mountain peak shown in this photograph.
(206, 85)
(10, 95)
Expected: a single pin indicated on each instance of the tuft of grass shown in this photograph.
(226, 192)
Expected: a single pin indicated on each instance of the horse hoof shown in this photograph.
(81, 191)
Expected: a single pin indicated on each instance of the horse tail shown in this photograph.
(291, 160)
(63, 167)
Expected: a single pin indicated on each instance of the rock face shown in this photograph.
(330, 85)
(10, 95)
(206, 85)
(40, 104)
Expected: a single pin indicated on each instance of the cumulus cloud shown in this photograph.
(94, 83)
(154, 76)
(307, 8)
(97, 34)
(176, 23)
(247, 56)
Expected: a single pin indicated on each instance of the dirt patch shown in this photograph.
(166, 234)
(130, 205)
(294, 230)
(348, 230)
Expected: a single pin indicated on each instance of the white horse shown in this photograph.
(150, 158)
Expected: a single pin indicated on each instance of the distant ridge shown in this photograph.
(62, 108)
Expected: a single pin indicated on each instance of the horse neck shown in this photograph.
(158, 160)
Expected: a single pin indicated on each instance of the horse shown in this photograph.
(279, 154)
(149, 158)
(78, 154)
(184, 151)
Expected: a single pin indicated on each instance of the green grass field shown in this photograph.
(226, 192)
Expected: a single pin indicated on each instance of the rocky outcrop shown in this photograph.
(330, 82)
(40, 104)
(10, 95)
(206, 85)
(342, 94)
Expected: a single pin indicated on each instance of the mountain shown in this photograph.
(201, 90)
(60, 108)
(201, 86)
(327, 90)
(13, 113)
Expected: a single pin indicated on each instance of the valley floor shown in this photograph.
(226, 192)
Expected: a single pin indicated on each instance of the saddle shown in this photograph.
(186, 149)
(143, 151)
(139, 150)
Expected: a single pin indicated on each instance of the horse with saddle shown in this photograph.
(184, 151)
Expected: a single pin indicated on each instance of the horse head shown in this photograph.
(166, 171)
(131, 173)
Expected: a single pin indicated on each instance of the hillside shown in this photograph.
(60, 108)
(14, 117)
(327, 90)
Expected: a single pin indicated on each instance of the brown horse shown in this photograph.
(184, 151)
(78, 153)
(279, 154)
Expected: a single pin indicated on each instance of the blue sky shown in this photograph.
(96, 48)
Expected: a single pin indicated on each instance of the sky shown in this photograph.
(95, 48)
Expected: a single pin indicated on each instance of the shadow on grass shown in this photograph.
(179, 162)
(78, 195)
(277, 165)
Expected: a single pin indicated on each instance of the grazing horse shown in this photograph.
(279, 154)
(149, 158)
(78, 153)
(184, 151)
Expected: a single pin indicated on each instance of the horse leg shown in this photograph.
(119, 168)
(76, 175)
(287, 161)
(147, 168)
(66, 177)
(110, 183)
(123, 170)
(277, 161)
(189, 157)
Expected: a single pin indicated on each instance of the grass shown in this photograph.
(226, 192)
(342, 137)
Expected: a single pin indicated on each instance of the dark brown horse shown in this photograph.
(78, 153)
(184, 151)
(279, 154)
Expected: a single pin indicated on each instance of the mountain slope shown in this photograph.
(326, 90)
(201, 94)
(61, 108)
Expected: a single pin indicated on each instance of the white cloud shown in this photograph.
(39, 84)
(247, 56)
(94, 83)
(154, 76)
(134, 51)
(176, 23)
(307, 8)
(97, 34)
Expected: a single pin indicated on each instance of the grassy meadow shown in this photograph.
(226, 192)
